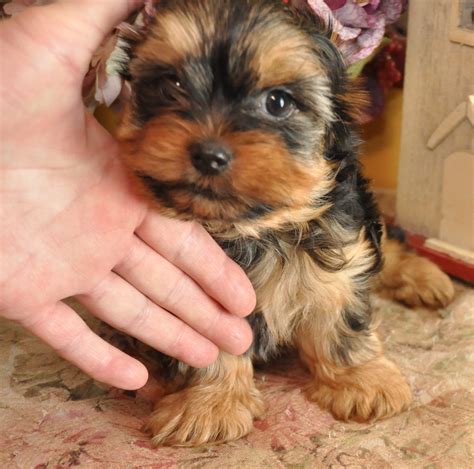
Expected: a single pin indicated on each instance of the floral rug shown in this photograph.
(53, 416)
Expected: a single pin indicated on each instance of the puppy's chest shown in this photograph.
(289, 285)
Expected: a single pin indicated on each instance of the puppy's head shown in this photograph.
(232, 111)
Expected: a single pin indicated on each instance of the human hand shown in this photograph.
(71, 225)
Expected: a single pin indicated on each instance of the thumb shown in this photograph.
(78, 27)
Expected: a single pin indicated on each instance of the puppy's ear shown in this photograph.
(326, 44)
(348, 96)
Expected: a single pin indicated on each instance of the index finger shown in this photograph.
(189, 247)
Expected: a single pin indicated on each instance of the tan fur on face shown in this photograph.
(161, 148)
(287, 57)
(283, 55)
(218, 404)
(161, 151)
(264, 170)
(175, 36)
(274, 52)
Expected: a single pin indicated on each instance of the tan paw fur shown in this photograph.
(198, 415)
(413, 280)
(365, 393)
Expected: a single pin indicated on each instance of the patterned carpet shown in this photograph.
(52, 416)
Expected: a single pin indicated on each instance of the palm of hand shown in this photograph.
(74, 194)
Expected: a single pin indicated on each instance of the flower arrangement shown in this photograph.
(360, 25)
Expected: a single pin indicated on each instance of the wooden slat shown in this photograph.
(438, 78)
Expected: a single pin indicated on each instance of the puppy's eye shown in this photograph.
(279, 103)
(165, 90)
(170, 89)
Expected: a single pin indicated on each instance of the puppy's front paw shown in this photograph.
(199, 415)
(365, 393)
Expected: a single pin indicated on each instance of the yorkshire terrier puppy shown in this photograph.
(242, 118)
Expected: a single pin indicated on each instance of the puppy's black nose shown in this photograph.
(211, 158)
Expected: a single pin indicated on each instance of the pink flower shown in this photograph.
(360, 24)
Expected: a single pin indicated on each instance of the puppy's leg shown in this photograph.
(351, 377)
(217, 404)
(412, 279)
(361, 386)
(338, 343)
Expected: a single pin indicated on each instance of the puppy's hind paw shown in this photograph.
(413, 280)
(423, 283)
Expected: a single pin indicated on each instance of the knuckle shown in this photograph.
(220, 270)
(140, 319)
(99, 291)
(175, 292)
(209, 329)
(176, 346)
(187, 242)
(69, 343)
(133, 259)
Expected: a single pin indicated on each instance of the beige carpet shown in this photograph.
(52, 416)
